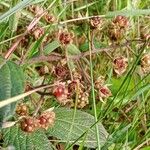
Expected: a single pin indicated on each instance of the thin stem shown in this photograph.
(93, 92)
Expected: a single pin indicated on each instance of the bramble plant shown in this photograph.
(74, 75)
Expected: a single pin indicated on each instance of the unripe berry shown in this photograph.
(22, 109)
(29, 124)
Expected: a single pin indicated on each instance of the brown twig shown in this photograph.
(56, 57)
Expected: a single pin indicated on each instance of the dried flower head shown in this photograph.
(61, 71)
(104, 92)
(120, 65)
(36, 9)
(22, 109)
(121, 21)
(99, 82)
(144, 33)
(46, 119)
(38, 32)
(96, 22)
(49, 18)
(115, 33)
(65, 37)
(29, 124)
(72, 85)
(145, 63)
(76, 75)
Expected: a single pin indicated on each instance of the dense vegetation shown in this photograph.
(74, 74)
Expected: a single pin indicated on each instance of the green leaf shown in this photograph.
(51, 47)
(82, 122)
(132, 12)
(16, 8)
(11, 84)
(72, 50)
(13, 20)
(26, 141)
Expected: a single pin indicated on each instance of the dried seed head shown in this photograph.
(38, 32)
(22, 109)
(29, 124)
(65, 37)
(96, 22)
(121, 21)
(145, 63)
(104, 92)
(72, 85)
(115, 33)
(46, 119)
(61, 93)
(144, 33)
(76, 75)
(99, 82)
(61, 71)
(36, 9)
(120, 65)
(49, 18)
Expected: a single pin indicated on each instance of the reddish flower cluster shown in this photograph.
(29, 124)
(45, 120)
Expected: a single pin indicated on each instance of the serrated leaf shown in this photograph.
(26, 141)
(11, 84)
(82, 122)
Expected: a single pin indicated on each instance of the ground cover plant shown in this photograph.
(74, 74)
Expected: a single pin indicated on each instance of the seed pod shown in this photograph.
(145, 63)
(120, 65)
(121, 21)
(22, 109)
(29, 124)
(96, 22)
(46, 119)
(104, 92)
(65, 37)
